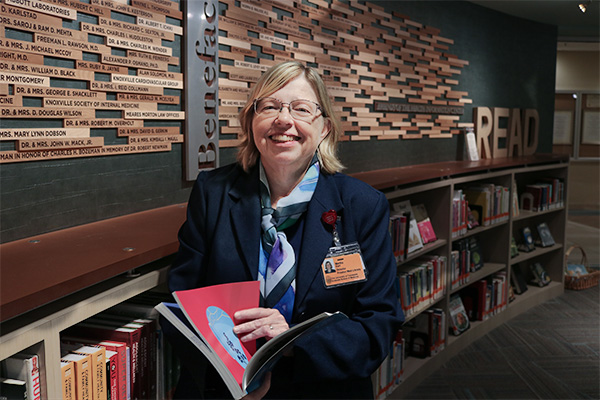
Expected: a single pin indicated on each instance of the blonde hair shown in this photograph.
(271, 81)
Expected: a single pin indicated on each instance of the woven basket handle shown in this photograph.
(583, 255)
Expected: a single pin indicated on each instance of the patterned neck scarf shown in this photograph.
(277, 264)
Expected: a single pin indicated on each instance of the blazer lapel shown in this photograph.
(317, 238)
(245, 219)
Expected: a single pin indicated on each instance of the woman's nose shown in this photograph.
(284, 115)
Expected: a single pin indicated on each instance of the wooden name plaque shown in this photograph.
(382, 61)
(57, 63)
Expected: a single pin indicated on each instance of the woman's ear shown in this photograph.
(326, 128)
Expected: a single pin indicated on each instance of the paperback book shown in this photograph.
(205, 317)
(459, 320)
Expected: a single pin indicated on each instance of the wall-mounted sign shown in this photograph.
(110, 75)
(391, 77)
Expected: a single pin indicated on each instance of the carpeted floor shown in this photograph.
(549, 352)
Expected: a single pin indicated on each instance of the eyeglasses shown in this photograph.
(301, 110)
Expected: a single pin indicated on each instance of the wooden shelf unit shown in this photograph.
(82, 271)
(434, 186)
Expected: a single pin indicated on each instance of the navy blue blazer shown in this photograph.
(219, 243)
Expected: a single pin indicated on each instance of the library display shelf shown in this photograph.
(522, 257)
(479, 230)
(437, 187)
(55, 280)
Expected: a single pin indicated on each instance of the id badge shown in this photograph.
(343, 265)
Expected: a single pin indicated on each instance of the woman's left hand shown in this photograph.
(254, 323)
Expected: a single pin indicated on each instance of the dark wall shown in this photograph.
(511, 64)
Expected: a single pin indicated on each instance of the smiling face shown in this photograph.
(286, 144)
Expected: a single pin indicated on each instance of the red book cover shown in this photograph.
(212, 315)
(205, 317)
(112, 374)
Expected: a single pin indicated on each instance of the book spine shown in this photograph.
(68, 380)
(112, 375)
(33, 378)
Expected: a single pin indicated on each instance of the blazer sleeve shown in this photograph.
(354, 348)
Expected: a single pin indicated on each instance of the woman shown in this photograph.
(273, 215)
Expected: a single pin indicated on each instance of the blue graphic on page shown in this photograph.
(222, 327)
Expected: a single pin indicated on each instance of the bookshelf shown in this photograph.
(434, 185)
(79, 272)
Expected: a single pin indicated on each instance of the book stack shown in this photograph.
(410, 228)
(426, 333)
(389, 373)
(546, 194)
(459, 214)
(486, 297)
(460, 263)
(124, 352)
(20, 376)
(489, 203)
(422, 283)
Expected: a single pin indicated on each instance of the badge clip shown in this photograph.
(330, 217)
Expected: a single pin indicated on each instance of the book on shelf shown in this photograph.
(11, 388)
(500, 285)
(112, 374)
(459, 213)
(475, 300)
(527, 244)
(205, 317)
(544, 235)
(399, 226)
(67, 379)
(97, 366)
(24, 367)
(475, 255)
(480, 196)
(460, 263)
(415, 242)
(517, 279)
(424, 223)
(459, 320)
(494, 201)
(539, 275)
(83, 372)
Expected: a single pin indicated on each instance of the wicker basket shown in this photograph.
(582, 281)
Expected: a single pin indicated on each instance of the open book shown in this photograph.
(205, 317)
